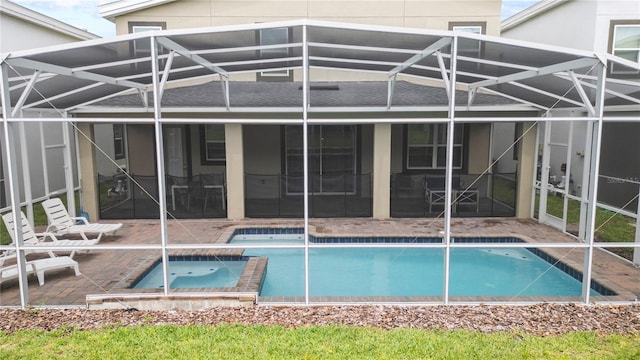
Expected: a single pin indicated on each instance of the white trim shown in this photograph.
(113, 9)
(529, 13)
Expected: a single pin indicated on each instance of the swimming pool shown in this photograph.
(190, 273)
(504, 272)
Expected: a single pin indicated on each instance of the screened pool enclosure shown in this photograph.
(383, 147)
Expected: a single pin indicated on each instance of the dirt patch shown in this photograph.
(541, 319)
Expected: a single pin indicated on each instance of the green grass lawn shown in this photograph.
(316, 342)
(610, 227)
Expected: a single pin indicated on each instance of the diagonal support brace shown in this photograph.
(172, 45)
(423, 54)
(582, 93)
(25, 93)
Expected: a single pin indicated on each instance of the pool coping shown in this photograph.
(244, 293)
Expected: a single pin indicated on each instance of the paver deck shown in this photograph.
(111, 271)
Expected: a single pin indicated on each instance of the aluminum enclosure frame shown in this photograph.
(75, 78)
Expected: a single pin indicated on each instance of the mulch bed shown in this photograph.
(540, 319)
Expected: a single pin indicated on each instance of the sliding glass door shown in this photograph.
(332, 159)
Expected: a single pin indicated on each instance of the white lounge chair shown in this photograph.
(39, 267)
(60, 222)
(29, 237)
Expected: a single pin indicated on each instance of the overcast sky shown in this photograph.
(84, 13)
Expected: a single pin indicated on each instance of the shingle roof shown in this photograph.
(289, 94)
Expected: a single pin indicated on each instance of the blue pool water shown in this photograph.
(194, 274)
(412, 272)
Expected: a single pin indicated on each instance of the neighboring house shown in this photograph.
(20, 29)
(342, 167)
(603, 26)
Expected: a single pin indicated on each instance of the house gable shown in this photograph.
(22, 28)
(204, 13)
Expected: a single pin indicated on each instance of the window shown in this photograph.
(277, 36)
(427, 146)
(212, 144)
(142, 47)
(625, 43)
(118, 141)
(469, 47)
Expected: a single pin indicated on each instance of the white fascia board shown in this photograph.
(44, 21)
(113, 9)
(529, 13)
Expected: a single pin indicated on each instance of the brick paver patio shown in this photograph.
(111, 271)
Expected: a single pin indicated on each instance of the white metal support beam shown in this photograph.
(443, 71)
(12, 177)
(25, 93)
(428, 51)
(165, 73)
(26, 172)
(636, 251)
(471, 97)
(609, 91)
(305, 153)
(391, 86)
(172, 45)
(49, 99)
(449, 174)
(177, 48)
(162, 189)
(79, 74)
(224, 82)
(582, 93)
(143, 97)
(68, 166)
(551, 69)
(593, 184)
(546, 93)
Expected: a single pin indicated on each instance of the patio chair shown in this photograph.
(39, 267)
(61, 223)
(29, 237)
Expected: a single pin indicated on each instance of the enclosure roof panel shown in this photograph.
(74, 76)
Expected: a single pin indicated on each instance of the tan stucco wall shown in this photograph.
(397, 148)
(432, 14)
(141, 150)
(527, 154)
(88, 171)
(479, 144)
(235, 171)
(381, 171)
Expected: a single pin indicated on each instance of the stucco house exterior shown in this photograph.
(43, 144)
(603, 26)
